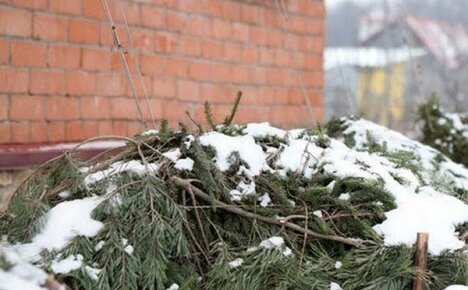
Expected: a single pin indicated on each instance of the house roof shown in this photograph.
(445, 42)
(370, 57)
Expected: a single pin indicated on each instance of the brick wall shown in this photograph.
(61, 81)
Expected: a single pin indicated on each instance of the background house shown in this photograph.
(394, 66)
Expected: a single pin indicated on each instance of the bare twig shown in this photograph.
(236, 210)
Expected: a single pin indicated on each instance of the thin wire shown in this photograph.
(280, 6)
(122, 52)
(138, 70)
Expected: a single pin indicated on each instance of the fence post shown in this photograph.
(421, 260)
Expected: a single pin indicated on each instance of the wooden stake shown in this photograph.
(421, 260)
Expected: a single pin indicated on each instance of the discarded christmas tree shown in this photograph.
(243, 207)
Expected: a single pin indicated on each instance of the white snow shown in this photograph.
(318, 213)
(456, 287)
(338, 265)
(262, 130)
(173, 287)
(118, 167)
(129, 249)
(22, 275)
(344, 196)
(243, 189)
(299, 156)
(236, 263)
(419, 206)
(70, 263)
(173, 154)
(276, 243)
(265, 200)
(99, 246)
(248, 150)
(61, 224)
(335, 286)
(93, 273)
(184, 164)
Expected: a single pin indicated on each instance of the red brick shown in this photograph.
(200, 26)
(96, 59)
(210, 7)
(231, 10)
(276, 39)
(313, 79)
(38, 132)
(199, 71)
(240, 74)
(313, 62)
(216, 93)
(124, 108)
(267, 56)
(240, 32)
(188, 90)
(46, 82)
(295, 96)
(56, 131)
(174, 111)
(111, 84)
(19, 132)
(4, 52)
(66, 7)
(4, 105)
(221, 73)
(316, 97)
(73, 131)
(251, 114)
(105, 128)
(152, 64)
(15, 22)
(176, 67)
(60, 56)
(133, 128)
(80, 83)
(259, 35)
(153, 17)
(142, 39)
(212, 49)
(93, 9)
(62, 108)
(131, 10)
(221, 28)
(49, 27)
(190, 46)
(89, 129)
(5, 133)
(28, 54)
(271, 18)
(83, 31)
(232, 52)
(163, 42)
(249, 54)
(164, 88)
(13, 80)
(95, 108)
(176, 21)
(27, 108)
(35, 4)
(119, 128)
(249, 14)
(156, 107)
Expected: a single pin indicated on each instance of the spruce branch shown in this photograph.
(209, 115)
(185, 184)
(230, 118)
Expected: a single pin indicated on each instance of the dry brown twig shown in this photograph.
(185, 184)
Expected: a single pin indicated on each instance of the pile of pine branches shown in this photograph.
(186, 230)
(447, 132)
